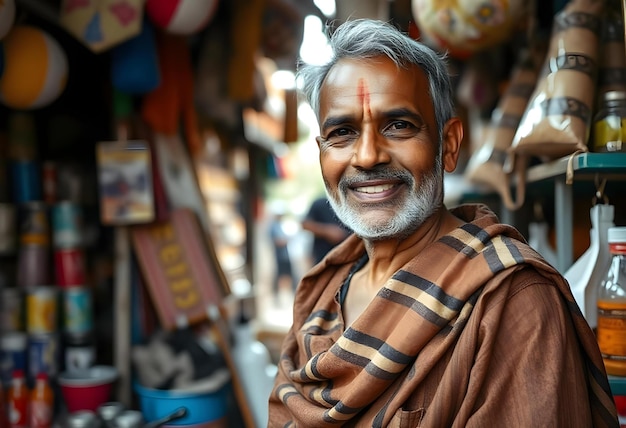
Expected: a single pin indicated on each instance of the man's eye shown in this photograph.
(341, 136)
(341, 132)
(400, 124)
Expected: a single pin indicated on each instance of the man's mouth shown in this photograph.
(374, 189)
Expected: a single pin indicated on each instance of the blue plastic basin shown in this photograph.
(201, 407)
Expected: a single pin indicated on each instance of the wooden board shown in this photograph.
(179, 268)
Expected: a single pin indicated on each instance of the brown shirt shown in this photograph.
(476, 331)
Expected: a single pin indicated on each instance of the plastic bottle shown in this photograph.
(18, 400)
(612, 306)
(589, 269)
(41, 403)
(253, 361)
(538, 239)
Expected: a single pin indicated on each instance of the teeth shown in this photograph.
(374, 189)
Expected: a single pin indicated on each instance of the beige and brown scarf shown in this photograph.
(363, 375)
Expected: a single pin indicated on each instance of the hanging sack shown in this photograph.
(557, 120)
(485, 166)
(135, 63)
(612, 73)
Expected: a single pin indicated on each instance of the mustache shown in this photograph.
(376, 173)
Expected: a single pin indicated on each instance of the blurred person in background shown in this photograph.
(280, 240)
(326, 228)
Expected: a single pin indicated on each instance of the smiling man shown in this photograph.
(425, 316)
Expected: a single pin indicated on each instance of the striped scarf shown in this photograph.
(361, 376)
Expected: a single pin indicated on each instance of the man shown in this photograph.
(424, 316)
(280, 241)
(326, 228)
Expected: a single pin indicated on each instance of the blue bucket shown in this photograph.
(202, 407)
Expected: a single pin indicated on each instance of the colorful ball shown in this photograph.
(35, 69)
(465, 27)
(181, 16)
(7, 15)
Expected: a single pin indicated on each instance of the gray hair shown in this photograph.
(367, 38)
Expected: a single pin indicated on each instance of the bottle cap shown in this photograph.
(616, 235)
(614, 95)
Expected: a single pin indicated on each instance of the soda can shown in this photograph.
(11, 309)
(66, 225)
(33, 266)
(26, 180)
(43, 355)
(8, 229)
(41, 310)
(13, 348)
(34, 224)
(69, 267)
(77, 312)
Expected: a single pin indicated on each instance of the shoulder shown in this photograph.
(524, 299)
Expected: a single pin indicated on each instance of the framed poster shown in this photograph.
(125, 182)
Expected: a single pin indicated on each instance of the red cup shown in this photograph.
(87, 389)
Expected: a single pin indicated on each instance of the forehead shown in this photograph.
(379, 81)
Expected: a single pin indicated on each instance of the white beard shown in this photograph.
(420, 204)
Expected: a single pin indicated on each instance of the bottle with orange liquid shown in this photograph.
(612, 306)
(41, 403)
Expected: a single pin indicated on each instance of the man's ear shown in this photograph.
(452, 139)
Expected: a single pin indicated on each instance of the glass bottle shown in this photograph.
(612, 306)
(609, 124)
(41, 403)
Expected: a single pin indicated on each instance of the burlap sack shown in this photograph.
(485, 166)
(558, 117)
(612, 73)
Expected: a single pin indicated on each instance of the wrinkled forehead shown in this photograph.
(374, 83)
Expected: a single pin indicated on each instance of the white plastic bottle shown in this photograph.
(538, 239)
(588, 271)
(256, 370)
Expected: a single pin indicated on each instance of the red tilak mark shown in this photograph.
(364, 97)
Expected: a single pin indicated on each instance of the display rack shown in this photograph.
(585, 166)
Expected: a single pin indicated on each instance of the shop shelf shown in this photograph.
(585, 166)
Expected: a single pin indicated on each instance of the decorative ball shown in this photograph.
(35, 69)
(182, 17)
(7, 15)
(468, 26)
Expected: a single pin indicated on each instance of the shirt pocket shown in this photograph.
(407, 418)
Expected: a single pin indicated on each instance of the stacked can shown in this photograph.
(42, 313)
(34, 245)
(40, 296)
(24, 167)
(69, 261)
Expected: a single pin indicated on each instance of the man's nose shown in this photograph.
(370, 149)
